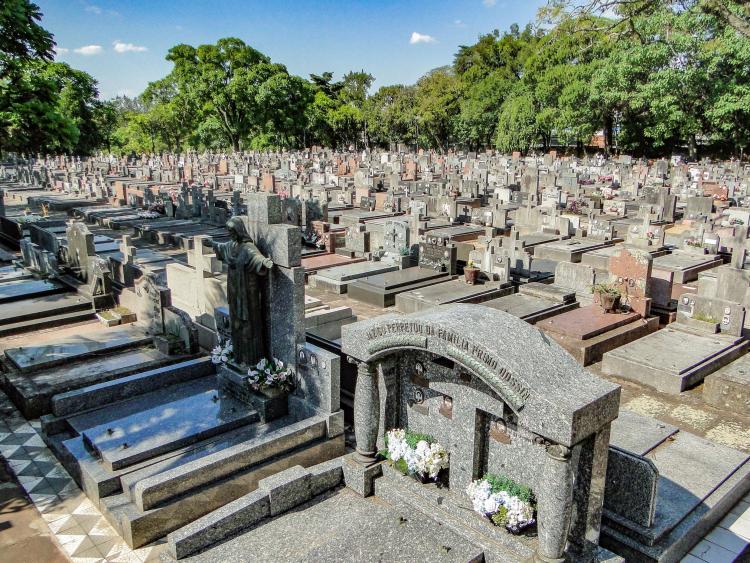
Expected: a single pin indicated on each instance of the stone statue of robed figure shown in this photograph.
(247, 266)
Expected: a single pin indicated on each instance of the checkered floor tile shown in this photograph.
(83, 533)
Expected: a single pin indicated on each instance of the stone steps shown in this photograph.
(42, 308)
(275, 495)
(139, 528)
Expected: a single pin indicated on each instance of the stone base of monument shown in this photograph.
(587, 333)
(673, 359)
(269, 405)
(535, 302)
(171, 446)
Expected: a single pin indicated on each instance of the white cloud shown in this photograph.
(459, 23)
(89, 50)
(489, 3)
(121, 47)
(61, 50)
(421, 38)
(91, 8)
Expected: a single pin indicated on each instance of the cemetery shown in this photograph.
(450, 363)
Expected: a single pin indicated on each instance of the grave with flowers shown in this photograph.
(161, 448)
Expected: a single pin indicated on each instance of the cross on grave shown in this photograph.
(236, 202)
(128, 250)
(205, 263)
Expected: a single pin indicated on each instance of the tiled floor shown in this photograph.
(78, 526)
(86, 537)
(728, 540)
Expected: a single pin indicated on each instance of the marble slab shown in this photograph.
(182, 415)
(586, 322)
(637, 433)
(22, 289)
(30, 358)
(11, 273)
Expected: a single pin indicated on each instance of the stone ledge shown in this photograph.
(275, 494)
(153, 490)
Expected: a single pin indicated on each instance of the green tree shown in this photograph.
(30, 116)
(390, 114)
(217, 78)
(517, 124)
(437, 104)
(22, 39)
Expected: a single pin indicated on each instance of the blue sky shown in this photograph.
(122, 43)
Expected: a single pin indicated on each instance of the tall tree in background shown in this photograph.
(217, 77)
(22, 39)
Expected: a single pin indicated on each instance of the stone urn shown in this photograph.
(609, 302)
(471, 275)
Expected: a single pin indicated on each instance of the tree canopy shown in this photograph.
(653, 76)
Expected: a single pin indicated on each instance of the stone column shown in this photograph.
(366, 413)
(555, 502)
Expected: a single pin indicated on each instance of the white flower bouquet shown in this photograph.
(415, 454)
(503, 501)
(222, 354)
(270, 374)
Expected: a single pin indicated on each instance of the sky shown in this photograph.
(122, 43)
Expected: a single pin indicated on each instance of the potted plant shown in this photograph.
(471, 273)
(414, 454)
(609, 296)
(504, 502)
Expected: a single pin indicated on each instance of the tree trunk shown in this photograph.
(692, 147)
(608, 129)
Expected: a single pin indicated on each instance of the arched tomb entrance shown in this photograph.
(502, 398)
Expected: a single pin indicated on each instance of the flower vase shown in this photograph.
(271, 403)
(609, 302)
(471, 275)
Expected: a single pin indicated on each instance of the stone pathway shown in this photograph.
(85, 536)
(78, 527)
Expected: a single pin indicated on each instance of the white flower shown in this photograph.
(260, 364)
(224, 359)
(216, 359)
(216, 351)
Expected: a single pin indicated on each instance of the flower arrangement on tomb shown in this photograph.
(609, 295)
(222, 354)
(503, 501)
(576, 207)
(270, 374)
(418, 455)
